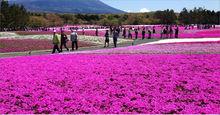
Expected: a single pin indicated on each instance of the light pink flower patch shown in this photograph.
(193, 33)
(168, 48)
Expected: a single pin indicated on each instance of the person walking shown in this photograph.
(161, 33)
(56, 42)
(107, 38)
(154, 30)
(129, 33)
(149, 34)
(74, 39)
(124, 32)
(177, 32)
(115, 38)
(171, 32)
(64, 40)
(136, 34)
(97, 32)
(118, 30)
(83, 31)
(111, 30)
(165, 33)
(143, 33)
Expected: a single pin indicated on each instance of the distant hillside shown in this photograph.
(68, 6)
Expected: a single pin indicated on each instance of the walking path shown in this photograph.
(183, 40)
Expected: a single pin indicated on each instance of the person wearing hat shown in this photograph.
(56, 42)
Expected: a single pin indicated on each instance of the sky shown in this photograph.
(153, 5)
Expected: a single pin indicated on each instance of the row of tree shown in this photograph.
(195, 16)
(13, 16)
(199, 16)
(16, 17)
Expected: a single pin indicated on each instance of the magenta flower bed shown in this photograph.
(212, 33)
(168, 48)
(110, 84)
(209, 33)
(21, 45)
(15, 45)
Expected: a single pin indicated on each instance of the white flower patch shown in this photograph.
(12, 35)
(91, 39)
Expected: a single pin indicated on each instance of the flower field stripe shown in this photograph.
(212, 47)
(91, 83)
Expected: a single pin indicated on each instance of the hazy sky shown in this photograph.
(152, 5)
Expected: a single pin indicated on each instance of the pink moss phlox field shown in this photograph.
(209, 33)
(117, 83)
(194, 33)
(168, 48)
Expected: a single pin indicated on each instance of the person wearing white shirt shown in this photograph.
(74, 39)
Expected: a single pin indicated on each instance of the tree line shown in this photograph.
(16, 17)
(199, 16)
(13, 16)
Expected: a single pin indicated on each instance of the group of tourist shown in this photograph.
(115, 35)
(168, 31)
(74, 39)
(63, 41)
